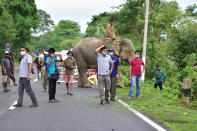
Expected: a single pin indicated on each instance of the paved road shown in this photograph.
(81, 112)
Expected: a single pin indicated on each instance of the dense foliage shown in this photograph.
(172, 35)
(172, 39)
(64, 36)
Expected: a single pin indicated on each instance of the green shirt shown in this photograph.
(161, 74)
(69, 65)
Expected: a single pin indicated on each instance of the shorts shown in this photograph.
(69, 78)
(5, 78)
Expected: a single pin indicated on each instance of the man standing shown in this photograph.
(115, 74)
(160, 76)
(44, 72)
(6, 70)
(24, 78)
(51, 64)
(135, 73)
(12, 76)
(110, 30)
(69, 65)
(112, 37)
(104, 73)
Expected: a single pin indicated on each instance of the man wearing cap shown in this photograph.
(6, 70)
(104, 72)
(115, 74)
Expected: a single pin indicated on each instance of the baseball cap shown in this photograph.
(111, 49)
(7, 52)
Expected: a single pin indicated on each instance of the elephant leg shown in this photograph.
(80, 80)
(83, 80)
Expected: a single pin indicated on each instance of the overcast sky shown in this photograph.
(82, 11)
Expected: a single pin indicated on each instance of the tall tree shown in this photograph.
(46, 23)
(7, 27)
(25, 18)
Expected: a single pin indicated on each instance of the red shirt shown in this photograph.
(136, 66)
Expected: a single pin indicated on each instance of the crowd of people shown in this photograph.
(108, 72)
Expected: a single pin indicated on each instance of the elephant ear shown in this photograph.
(116, 47)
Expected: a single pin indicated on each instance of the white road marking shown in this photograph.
(35, 80)
(61, 81)
(12, 107)
(140, 115)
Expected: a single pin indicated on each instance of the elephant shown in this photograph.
(85, 57)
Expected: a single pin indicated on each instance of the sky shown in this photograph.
(82, 11)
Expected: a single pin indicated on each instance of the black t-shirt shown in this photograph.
(6, 63)
(37, 63)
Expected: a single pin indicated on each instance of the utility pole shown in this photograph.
(145, 37)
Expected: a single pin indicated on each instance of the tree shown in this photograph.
(66, 32)
(67, 29)
(7, 27)
(191, 10)
(46, 24)
(26, 20)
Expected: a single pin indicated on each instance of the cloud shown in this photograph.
(80, 11)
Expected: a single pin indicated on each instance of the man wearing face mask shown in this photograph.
(24, 78)
(51, 65)
(114, 75)
(135, 74)
(104, 72)
(69, 65)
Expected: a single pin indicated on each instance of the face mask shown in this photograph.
(69, 56)
(52, 55)
(111, 53)
(104, 53)
(137, 56)
(22, 53)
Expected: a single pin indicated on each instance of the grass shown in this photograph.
(170, 113)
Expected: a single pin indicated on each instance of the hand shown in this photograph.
(28, 78)
(102, 46)
(54, 56)
(130, 78)
(110, 72)
(117, 76)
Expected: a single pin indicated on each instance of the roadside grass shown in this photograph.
(171, 113)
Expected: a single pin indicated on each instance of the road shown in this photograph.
(80, 112)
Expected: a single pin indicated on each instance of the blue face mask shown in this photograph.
(111, 53)
(104, 53)
(137, 56)
(52, 55)
(69, 56)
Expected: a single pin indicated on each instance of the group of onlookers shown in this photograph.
(108, 73)
(47, 66)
